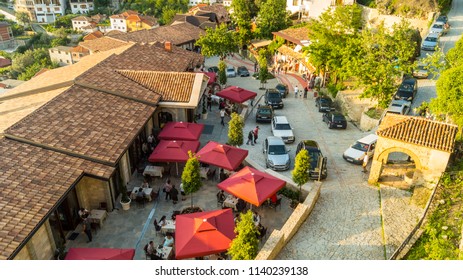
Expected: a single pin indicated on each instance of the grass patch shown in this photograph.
(374, 113)
(442, 233)
(420, 196)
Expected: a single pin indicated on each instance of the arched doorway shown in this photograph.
(398, 168)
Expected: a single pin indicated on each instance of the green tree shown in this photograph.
(435, 63)
(300, 172)
(191, 176)
(217, 42)
(263, 71)
(246, 244)
(235, 130)
(23, 18)
(449, 100)
(168, 15)
(243, 13)
(272, 17)
(222, 74)
(455, 55)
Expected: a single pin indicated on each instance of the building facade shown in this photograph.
(48, 10)
(81, 6)
(6, 36)
(61, 54)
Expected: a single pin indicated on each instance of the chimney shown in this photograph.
(168, 46)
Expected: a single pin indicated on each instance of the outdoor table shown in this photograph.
(155, 171)
(147, 192)
(169, 227)
(204, 171)
(230, 202)
(97, 216)
(164, 252)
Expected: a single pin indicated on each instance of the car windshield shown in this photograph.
(265, 111)
(406, 87)
(277, 150)
(314, 158)
(274, 95)
(360, 146)
(338, 118)
(282, 126)
(281, 87)
(403, 93)
(325, 101)
(438, 26)
(431, 39)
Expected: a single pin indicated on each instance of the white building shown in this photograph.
(118, 22)
(313, 8)
(80, 22)
(61, 54)
(81, 6)
(227, 3)
(49, 10)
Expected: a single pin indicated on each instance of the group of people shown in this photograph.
(151, 250)
(172, 193)
(253, 135)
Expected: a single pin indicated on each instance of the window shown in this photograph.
(60, 60)
(75, 6)
(59, 52)
(39, 9)
(67, 61)
(122, 20)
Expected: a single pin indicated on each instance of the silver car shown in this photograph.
(438, 28)
(276, 154)
(230, 71)
(430, 42)
(281, 128)
(401, 107)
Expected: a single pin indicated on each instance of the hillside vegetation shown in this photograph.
(408, 8)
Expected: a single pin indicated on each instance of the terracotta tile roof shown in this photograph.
(102, 44)
(294, 35)
(114, 32)
(299, 56)
(151, 21)
(173, 86)
(82, 18)
(94, 35)
(32, 181)
(86, 122)
(80, 49)
(195, 20)
(41, 71)
(4, 62)
(178, 34)
(419, 131)
(220, 11)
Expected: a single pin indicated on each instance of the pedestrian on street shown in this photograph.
(167, 189)
(365, 162)
(182, 191)
(296, 90)
(256, 134)
(305, 91)
(87, 227)
(222, 116)
(174, 194)
(250, 138)
(209, 102)
(255, 67)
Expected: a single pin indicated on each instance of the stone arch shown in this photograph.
(382, 157)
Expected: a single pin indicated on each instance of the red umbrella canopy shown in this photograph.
(181, 131)
(236, 94)
(212, 77)
(203, 233)
(100, 254)
(173, 151)
(252, 185)
(222, 155)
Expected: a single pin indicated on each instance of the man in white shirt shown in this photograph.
(365, 162)
(296, 90)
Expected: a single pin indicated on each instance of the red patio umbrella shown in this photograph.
(252, 185)
(181, 131)
(236, 94)
(203, 233)
(222, 155)
(173, 151)
(100, 254)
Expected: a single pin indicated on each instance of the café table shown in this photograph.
(168, 227)
(230, 202)
(155, 171)
(97, 216)
(147, 192)
(165, 252)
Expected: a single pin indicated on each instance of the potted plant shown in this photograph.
(125, 199)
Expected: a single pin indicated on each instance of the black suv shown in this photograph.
(264, 113)
(283, 89)
(407, 90)
(242, 71)
(273, 98)
(324, 104)
(316, 159)
(335, 120)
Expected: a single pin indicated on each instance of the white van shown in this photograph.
(357, 151)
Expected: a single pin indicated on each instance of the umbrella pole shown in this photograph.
(176, 165)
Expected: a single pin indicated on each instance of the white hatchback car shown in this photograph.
(356, 152)
(281, 128)
(230, 71)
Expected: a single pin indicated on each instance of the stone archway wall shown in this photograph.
(430, 163)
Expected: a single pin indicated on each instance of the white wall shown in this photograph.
(82, 7)
(48, 13)
(118, 24)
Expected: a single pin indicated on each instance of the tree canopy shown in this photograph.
(235, 130)
(246, 244)
(272, 17)
(217, 42)
(243, 13)
(191, 176)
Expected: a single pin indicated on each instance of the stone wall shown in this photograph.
(279, 238)
(350, 103)
(367, 123)
(91, 192)
(40, 247)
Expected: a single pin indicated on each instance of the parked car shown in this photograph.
(442, 18)
(335, 120)
(282, 128)
(324, 104)
(230, 71)
(430, 42)
(276, 154)
(264, 113)
(356, 152)
(420, 71)
(316, 159)
(283, 89)
(401, 107)
(272, 97)
(439, 28)
(214, 69)
(243, 71)
(407, 90)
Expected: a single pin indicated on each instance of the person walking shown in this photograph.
(174, 194)
(222, 116)
(167, 189)
(87, 228)
(182, 192)
(209, 102)
(365, 162)
(296, 90)
(250, 138)
(256, 134)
